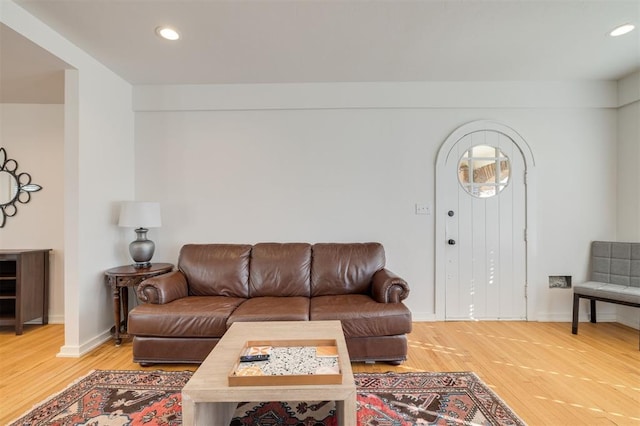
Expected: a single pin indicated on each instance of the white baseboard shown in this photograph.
(630, 320)
(423, 317)
(54, 319)
(72, 351)
(582, 317)
(546, 317)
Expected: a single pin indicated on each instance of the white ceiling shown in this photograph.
(269, 41)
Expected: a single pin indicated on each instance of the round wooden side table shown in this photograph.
(120, 279)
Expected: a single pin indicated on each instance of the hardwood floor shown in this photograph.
(544, 373)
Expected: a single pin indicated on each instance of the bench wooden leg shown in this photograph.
(593, 310)
(576, 308)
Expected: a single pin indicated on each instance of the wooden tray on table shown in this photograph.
(288, 363)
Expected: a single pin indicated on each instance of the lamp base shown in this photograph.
(141, 249)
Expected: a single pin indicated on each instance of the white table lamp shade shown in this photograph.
(139, 214)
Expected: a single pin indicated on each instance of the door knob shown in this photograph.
(450, 213)
(451, 242)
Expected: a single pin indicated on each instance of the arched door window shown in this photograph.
(483, 171)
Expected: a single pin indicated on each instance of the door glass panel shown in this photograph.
(483, 171)
(463, 171)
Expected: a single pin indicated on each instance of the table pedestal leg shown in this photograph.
(346, 411)
(206, 413)
(116, 314)
(125, 308)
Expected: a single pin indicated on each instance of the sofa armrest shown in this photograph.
(387, 287)
(163, 288)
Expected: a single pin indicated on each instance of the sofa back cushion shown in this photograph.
(280, 269)
(344, 268)
(216, 269)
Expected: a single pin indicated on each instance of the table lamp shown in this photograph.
(141, 216)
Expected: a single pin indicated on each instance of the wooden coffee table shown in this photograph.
(207, 399)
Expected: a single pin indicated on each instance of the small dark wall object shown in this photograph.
(560, 281)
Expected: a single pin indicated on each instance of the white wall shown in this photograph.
(98, 174)
(576, 199)
(261, 163)
(325, 162)
(33, 135)
(629, 158)
(629, 174)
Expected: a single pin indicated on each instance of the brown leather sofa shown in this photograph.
(186, 312)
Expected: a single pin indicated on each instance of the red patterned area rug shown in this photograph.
(114, 398)
(119, 398)
(395, 399)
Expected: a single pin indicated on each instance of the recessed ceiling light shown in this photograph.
(621, 30)
(168, 33)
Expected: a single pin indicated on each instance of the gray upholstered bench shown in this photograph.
(615, 278)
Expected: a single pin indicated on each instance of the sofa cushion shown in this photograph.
(280, 270)
(271, 309)
(193, 316)
(344, 268)
(361, 316)
(216, 269)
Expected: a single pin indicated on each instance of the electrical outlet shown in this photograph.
(423, 209)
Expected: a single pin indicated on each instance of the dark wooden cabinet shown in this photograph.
(24, 287)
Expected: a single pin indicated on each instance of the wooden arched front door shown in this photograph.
(481, 249)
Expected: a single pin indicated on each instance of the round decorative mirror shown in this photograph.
(8, 187)
(14, 187)
(484, 171)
